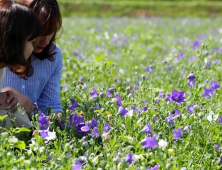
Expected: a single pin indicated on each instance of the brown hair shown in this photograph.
(50, 17)
(17, 25)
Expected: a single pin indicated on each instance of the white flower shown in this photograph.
(212, 117)
(130, 113)
(162, 144)
(51, 136)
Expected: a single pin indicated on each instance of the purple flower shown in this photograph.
(35, 107)
(137, 110)
(43, 122)
(217, 61)
(216, 146)
(64, 87)
(178, 97)
(108, 93)
(153, 168)
(149, 142)
(168, 97)
(74, 105)
(150, 68)
(192, 80)
(161, 94)
(196, 44)
(221, 120)
(176, 112)
(75, 120)
(122, 111)
(191, 108)
(94, 94)
(214, 85)
(118, 100)
(95, 132)
(192, 59)
(220, 160)
(77, 165)
(129, 158)
(144, 108)
(43, 133)
(47, 135)
(147, 129)
(177, 133)
(170, 119)
(208, 92)
(94, 123)
(106, 128)
(180, 54)
(68, 154)
(86, 127)
(169, 68)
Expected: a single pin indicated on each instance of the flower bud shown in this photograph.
(85, 144)
(34, 132)
(114, 100)
(101, 94)
(48, 117)
(110, 117)
(41, 149)
(196, 107)
(170, 151)
(60, 115)
(67, 147)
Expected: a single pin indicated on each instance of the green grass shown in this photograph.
(139, 8)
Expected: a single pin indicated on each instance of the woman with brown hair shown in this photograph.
(19, 27)
(43, 87)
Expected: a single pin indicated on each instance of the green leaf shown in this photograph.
(99, 58)
(23, 129)
(55, 144)
(3, 117)
(112, 142)
(128, 123)
(20, 145)
(56, 151)
(109, 62)
(78, 98)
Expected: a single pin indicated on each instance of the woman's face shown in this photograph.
(41, 42)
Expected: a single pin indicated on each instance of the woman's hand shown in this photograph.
(23, 100)
(8, 99)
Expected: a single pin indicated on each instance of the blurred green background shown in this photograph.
(136, 8)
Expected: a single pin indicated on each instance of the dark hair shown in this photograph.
(50, 17)
(17, 25)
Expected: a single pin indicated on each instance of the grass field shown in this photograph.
(136, 93)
